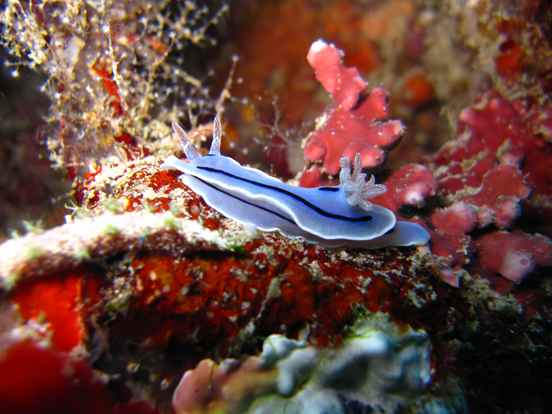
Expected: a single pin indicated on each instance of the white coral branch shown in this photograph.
(355, 187)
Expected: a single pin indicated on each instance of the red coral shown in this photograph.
(514, 255)
(418, 91)
(354, 124)
(502, 189)
(459, 218)
(481, 166)
(56, 301)
(499, 160)
(39, 380)
(509, 61)
(411, 185)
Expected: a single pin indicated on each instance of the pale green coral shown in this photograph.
(379, 367)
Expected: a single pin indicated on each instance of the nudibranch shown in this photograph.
(329, 216)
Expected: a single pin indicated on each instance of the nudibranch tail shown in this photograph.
(217, 132)
(189, 150)
(355, 187)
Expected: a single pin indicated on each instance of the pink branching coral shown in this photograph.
(356, 123)
(498, 161)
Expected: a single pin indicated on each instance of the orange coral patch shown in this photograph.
(56, 299)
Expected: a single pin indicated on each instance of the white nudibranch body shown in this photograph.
(329, 216)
